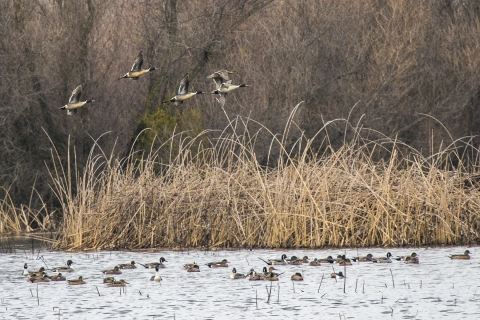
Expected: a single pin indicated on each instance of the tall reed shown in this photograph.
(17, 219)
(366, 193)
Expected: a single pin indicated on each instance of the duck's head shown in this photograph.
(224, 261)
(305, 258)
(284, 256)
(389, 254)
(162, 259)
(69, 263)
(264, 269)
(132, 263)
(234, 270)
(270, 269)
(413, 255)
(467, 252)
(215, 92)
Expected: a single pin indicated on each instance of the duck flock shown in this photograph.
(221, 78)
(267, 274)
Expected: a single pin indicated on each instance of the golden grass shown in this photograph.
(220, 195)
(14, 220)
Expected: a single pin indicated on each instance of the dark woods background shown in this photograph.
(393, 60)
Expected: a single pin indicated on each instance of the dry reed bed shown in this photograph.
(220, 195)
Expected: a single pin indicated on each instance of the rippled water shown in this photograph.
(436, 288)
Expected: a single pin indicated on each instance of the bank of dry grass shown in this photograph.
(220, 195)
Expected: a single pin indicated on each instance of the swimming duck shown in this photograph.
(76, 281)
(297, 277)
(270, 271)
(220, 77)
(58, 277)
(464, 256)
(367, 258)
(337, 275)
(189, 265)
(156, 277)
(295, 261)
(343, 261)
(270, 276)
(328, 259)
(74, 102)
(183, 93)
(136, 70)
(43, 278)
(130, 265)
(235, 275)
(254, 276)
(383, 259)
(38, 272)
(115, 270)
(36, 276)
(108, 279)
(315, 263)
(119, 283)
(25, 270)
(405, 258)
(194, 268)
(67, 268)
(272, 262)
(413, 259)
(219, 264)
(225, 88)
(153, 265)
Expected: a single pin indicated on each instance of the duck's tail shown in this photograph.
(269, 263)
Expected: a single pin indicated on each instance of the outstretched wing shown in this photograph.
(224, 74)
(75, 97)
(222, 99)
(218, 82)
(137, 65)
(184, 83)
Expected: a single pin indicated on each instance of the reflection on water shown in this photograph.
(436, 288)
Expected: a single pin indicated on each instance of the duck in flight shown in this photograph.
(183, 93)
(220, 77)
(74, 102)
(136, 70)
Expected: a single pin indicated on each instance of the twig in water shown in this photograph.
(98, 291)
(321, 285)
(293, 283)
(391, 315)
(256, 299)
(420, 285)
(382, 299)
(38, 300)
(363, 288)
(31, 292)
(278, 293)
(344, 277)
(322, 295)
(393, 282)
(356, 284)
(247, 261)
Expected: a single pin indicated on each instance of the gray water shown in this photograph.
(436, 288)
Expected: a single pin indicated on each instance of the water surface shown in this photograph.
(436, 288)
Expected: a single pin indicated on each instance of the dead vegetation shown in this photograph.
(221, 196)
